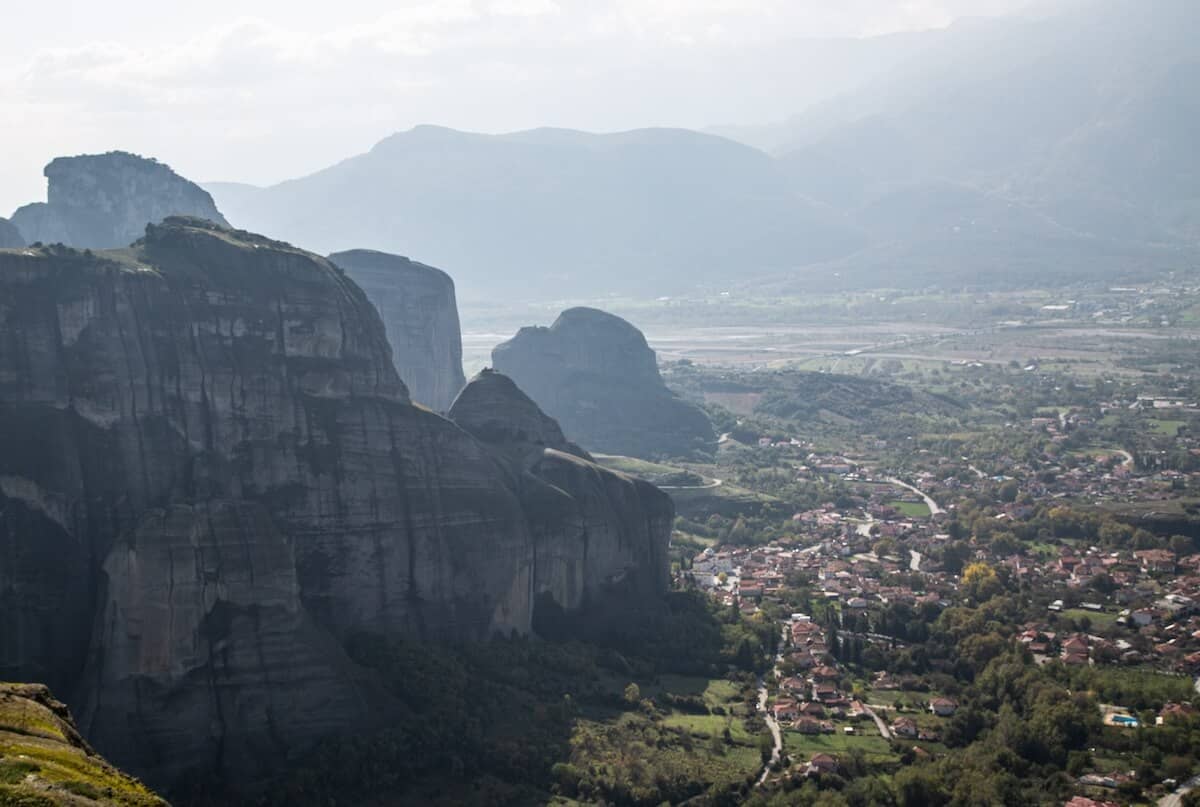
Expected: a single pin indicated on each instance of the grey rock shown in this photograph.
(420, 314)
(105, 201)
(10, 236)
(597, 533)
(594, 373)
(212, 476)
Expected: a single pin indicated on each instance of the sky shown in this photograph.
(264, 90)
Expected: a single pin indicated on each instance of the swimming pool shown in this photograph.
(1125, 720)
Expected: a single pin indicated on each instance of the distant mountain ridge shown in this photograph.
(1086, 116)
(551, 212)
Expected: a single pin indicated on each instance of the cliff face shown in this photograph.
(212, 474)
(104, 201)
(45, 761)
(594, 531)
(420, 314)
(10, 236)
(594, 373)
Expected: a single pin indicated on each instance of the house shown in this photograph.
(794, 685)
(1083, 801)
(1156, 560)
(1075, 651)
(1176, 711)
(905, 727)
(822, 763)
(884, 681)
(825, 692)
(943, 707)
(812, 709)
(808, 725)
(1142, 617)
(785, 710)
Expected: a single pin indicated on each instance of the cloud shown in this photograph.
(263, 95)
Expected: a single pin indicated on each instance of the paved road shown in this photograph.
(929, 502)
(776, 734)
(879, 724)
(772, 724)
(1176, 799)
(914, 560)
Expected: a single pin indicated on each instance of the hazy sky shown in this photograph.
(262, 90)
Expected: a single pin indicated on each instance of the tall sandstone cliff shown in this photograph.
(105, 201)
(213, 476)
(593, 529)
(420, 314)
(594, 373)
(10, 236)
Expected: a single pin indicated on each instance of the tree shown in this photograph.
(980, 582)
(633, 694)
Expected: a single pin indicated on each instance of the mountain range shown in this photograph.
(1051, 148)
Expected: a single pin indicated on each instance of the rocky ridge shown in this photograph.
(105, 201)
(213, 476)
(420, 314)
(44, 761)
(594, 373)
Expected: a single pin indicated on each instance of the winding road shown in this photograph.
(776, 734)
(1176, 799)
(769, 719)
(934, 509)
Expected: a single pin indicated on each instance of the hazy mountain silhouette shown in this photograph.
(1088, 117)
(554, 212)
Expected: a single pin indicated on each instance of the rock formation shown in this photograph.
(594, 373)
(212, 475)
(45, 761)
(421, 317)
(10, 236)
(592, 528)
(105, 201)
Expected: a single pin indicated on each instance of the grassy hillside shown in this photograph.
(45, 762)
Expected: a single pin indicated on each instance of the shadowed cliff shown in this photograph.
(213, 475)
(420, 314)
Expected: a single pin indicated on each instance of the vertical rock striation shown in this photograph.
(212, 475)
(594, 373)
(420, 314)
(105, 201)
(595, 531)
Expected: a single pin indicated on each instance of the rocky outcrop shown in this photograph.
(10, 236)
(595, 531)
(212, 476)
(594, 373)
(421, 317)
(44, 761)
(105, 201)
